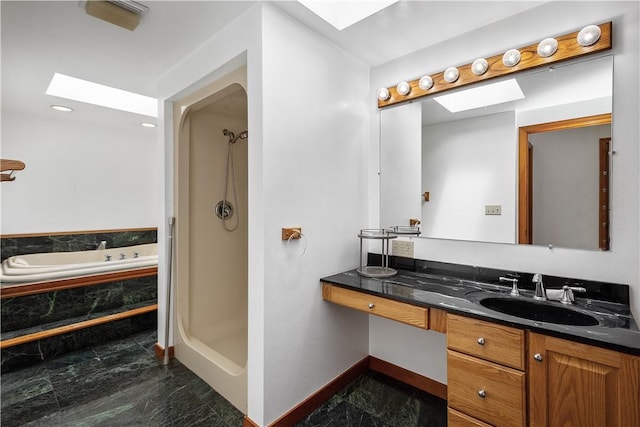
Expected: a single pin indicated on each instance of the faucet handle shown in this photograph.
(514, 283)
(567, 295)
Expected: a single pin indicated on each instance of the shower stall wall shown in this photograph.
(211, 267)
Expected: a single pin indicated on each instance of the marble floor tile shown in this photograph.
(122, 384)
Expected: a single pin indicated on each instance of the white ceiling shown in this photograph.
(43, 37)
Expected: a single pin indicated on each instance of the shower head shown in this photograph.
(242, 135)
(232, 137)
(228, 133)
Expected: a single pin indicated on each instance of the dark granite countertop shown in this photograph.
(616, 328)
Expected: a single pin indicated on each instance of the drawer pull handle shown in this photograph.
(537, 357)
(481, 341)
(371, 305)
(482, 393)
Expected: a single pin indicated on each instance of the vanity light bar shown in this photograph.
(569, 46)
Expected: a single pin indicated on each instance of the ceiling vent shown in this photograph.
(123, 13)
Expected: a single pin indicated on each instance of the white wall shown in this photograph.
(78, 176)
(307, 161)
(466, 165)
(621, 263)
(315, 142)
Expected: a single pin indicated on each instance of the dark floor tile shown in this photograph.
(341, 415)
(202, 416)
(24, 411)
(161, 406)
(380, 400)
(112, 411)
(121, 383)
(73, 365)
(111, 373)
(229, 413)
(24, 384)
(147, 340)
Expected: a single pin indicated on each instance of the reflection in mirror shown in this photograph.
(563, 187)
(469, 160)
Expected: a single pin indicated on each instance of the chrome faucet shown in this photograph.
(102, 245)
(541, 293)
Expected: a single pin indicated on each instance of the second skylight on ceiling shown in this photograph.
(68, 87)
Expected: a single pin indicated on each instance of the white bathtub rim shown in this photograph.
(69, 274)
(99, 255)
(31, 269)
(10, 268)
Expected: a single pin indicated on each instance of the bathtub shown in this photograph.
(61, 265)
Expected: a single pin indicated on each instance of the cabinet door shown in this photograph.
(573, 384)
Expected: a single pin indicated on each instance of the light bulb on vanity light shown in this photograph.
(589, 35)
(425, 83)
(403, 88)
(383, 94)
(479, 66)
(511, 57)
(547, 47)
(451, 74)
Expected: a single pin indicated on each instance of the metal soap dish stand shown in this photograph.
(408, 230)
(374, 270)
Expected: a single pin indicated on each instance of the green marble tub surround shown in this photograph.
(46, 307)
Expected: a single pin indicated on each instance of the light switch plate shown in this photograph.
(493, 210)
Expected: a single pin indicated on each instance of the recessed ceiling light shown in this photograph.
(483, 96)
(69, 87)
(61, 108)
(342, 14)
(148, 125)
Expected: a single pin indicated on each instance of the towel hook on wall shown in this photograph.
(11, 166)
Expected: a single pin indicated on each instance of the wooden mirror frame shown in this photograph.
(525, 193)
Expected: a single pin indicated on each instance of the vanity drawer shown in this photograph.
(458, 419)
(394, 310)
(486, 391)
(489, 341)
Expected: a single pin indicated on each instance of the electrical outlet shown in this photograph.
(403, 248)
(493, 210)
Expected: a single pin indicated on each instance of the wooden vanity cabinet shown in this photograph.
(485, 373)
(503, 376)
(573, 384)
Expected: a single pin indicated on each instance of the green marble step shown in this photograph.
(10, 338)
(26, 311)
(32, 345)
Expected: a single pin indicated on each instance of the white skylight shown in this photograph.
(483, 96)
(341, 14)
(69, 87)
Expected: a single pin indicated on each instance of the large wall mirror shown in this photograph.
(467, 163)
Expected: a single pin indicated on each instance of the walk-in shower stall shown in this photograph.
(211, 206)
